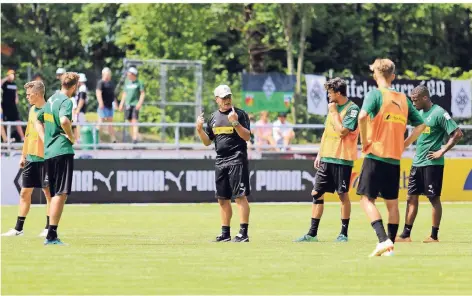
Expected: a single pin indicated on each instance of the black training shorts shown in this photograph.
(232, 181)
(331, 177)
(34, 175)
(131, 113)
(60, 170)
(426, 180)
(379, 179)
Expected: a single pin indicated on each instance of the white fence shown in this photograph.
(176, 143)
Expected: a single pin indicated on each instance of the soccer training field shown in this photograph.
(122, 249)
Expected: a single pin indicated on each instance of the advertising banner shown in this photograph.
(177, 181)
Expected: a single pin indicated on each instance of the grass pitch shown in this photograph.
(123, 249)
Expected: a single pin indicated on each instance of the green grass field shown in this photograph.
(121, 249)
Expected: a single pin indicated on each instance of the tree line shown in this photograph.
(424, 40)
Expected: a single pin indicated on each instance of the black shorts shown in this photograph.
(131, 113)
(232, 181)
(10, 114)
(60, 170)
(331, 177)
(34, 175)
(379, 179)
(426, 180)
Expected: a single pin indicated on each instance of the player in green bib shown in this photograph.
(56, 117)
(33, 174)
(426, 174)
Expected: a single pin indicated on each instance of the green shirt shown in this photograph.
(438, 124)
(55, 142)
(349, 122)
(29, 157)
(372, 103)
(133, 90)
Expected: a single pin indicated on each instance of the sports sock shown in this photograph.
(19, 223)
(243, 229)
(225, 230)
(344, 226)
(52, 232)
(314, 227)
(434, 232)
(47, 222)
(379, 230)
(406, 231)
(392, 231)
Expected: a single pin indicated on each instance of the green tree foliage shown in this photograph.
(424, 40)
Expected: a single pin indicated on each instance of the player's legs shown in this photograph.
(23, 209)
(415, 189)
(324, 182)
(25, 203)
(32, 177)
(238, 177)
(226, 211)
(47, 194)
(369, 188)
(389, 191)
(393, 218)
(342, 176)
(244, 211)
(412, 205)
(56, 208)
(223, 194)
(59, 170)
(345, 216)
(433, 188)
(436, 219)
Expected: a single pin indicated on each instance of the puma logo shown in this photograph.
(100, 177)
(398, 105)
(169, 176)
(307, 176)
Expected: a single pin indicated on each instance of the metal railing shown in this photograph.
(177, 141)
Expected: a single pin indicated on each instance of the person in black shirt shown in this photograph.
(229, 128)
(106, 100)
(10, 101)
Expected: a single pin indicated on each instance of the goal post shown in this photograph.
(164, 75)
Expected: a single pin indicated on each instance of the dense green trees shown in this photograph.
(231, 38)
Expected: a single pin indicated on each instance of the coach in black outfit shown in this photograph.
(229, 128)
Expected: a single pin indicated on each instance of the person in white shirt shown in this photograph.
(264, 134)
(283, 132)
(79, 104)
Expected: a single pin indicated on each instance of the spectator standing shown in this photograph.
(105, 93)
(10, 101)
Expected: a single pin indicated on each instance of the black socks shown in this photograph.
(52, 232)
(19, 223)
(344, 226)
(314, 227)
(379, 230)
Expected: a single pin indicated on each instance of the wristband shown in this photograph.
(235, 123)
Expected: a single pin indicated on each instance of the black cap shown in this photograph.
(282, 114)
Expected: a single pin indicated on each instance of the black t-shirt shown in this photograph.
(230, 147)
(108, 92)
(8, 94)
